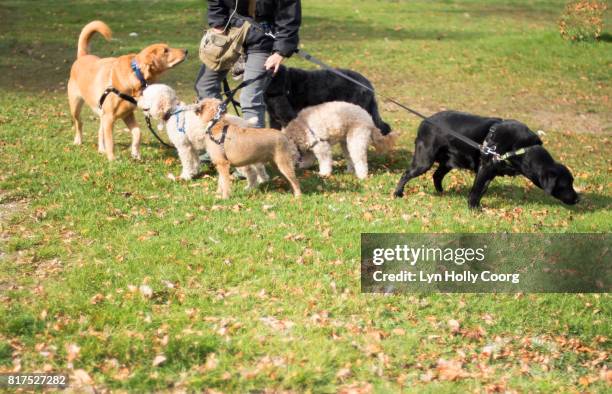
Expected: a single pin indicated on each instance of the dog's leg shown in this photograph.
(262, 175)
(439, 175)
(76, 105)
(486, 173)
(225, 180)
(357, 144)
(284, 163)
(107, 124)
(187, 156)
(251, 176)
(422, 161)
(323, 152)
(101, 148)
(195, 161)
(130, 122)
(350, 167)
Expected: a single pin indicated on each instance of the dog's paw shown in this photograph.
(398, 194)
(77, 141)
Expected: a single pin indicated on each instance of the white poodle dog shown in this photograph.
(185, 129)
(316, 129)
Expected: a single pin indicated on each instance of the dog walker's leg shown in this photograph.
(130, 122)
(484, 176)
(76, 105)
(108, 123)
(439, 175)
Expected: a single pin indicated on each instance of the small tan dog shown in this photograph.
(90, 76)
(184, 129)
(243, 147)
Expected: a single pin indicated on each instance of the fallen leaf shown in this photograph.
(160, 358)
(450, 370)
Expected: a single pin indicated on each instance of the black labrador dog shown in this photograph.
(435, 145)
(293, 89)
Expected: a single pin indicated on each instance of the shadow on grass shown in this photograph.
(396, 161)
(606, 37)
(515, 196)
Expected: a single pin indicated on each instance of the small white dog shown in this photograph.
(316, 129)
(186, 130)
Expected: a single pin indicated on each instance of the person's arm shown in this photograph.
(287, 20)
(217, 14)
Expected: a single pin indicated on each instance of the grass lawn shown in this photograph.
(141, 283)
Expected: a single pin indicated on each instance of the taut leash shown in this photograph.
(308, 57)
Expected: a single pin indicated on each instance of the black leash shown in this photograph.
(226, 90)
(148, 120)
(222, 109)
(133, 101)
(307, 56)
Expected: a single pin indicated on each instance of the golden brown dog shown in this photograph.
(90, 76)
(244, 146)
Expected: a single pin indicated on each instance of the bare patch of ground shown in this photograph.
(8, 209)
(572, 122)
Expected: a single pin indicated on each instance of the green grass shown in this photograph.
(268, 285)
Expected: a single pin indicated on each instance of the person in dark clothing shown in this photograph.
(283, 18)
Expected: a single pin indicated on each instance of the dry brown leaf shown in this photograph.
(450, 370)
(454, 326)
(81, 377)
(343, 373)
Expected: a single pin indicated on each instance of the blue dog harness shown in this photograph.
(138, 73)
(180, 126)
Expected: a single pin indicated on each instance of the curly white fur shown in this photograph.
(158, 100)
(336, 122)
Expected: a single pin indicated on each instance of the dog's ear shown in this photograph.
(151, 60)
(207, 109)
(549, 180)
(164, 104)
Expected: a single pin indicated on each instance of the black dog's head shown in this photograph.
(559, 183)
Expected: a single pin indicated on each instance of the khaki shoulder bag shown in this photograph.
(220, 51)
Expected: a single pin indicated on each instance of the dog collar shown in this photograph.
(138, 73)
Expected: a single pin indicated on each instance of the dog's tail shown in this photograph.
(88, 31)
(381, 124)
(383, 143)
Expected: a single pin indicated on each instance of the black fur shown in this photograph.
(434, 145)
(293, 89)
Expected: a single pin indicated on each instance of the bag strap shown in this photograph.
(252, 8)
